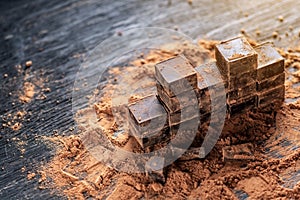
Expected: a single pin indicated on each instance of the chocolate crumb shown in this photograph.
(28, 63)
(280, 18)
(275, 34)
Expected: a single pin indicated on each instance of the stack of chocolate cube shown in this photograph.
(270, 77)
(250, 78)
(211, 89)
(147, 121)
(237, 61)
(176, 82)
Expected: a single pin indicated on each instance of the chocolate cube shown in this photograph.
(270, 83)
(142, 131)
(235, 56)
(238, 106)
(176, 103)
(209, 78)
(147, 112)
(183, 115)
(210, 84)
(270, 62)
(189, 154)
(176, 75)
(189, 124)
(184, 132)
(206, 104)
(241, 92)
(238, 152)
(241, 80)
(148, 121)
(271, 99)
(150, 139)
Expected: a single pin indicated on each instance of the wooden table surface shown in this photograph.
(56, 35)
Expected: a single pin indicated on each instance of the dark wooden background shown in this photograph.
(57, 34)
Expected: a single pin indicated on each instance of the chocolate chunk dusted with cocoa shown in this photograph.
(150, 139)
(270, 62)
(189, 154)
(210, 84)
(271, 82)
(238, 152)
(209, 78)
(147, 111)
(184, 131)
(241, 92)
(176, 75)
(177, 102)
(235, 56)
(183, 115)
(244, 104)
(146, 131)
(241, 80)
(205, 104)
(186, 125)
(271, 99)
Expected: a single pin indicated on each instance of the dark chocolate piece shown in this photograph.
(176, 75)
(272, 99)
(177, 102)
(241, 92)
(209, 79)
(235, 56)
(204, 99)
(146, 130)
(186, 125)
(236, 107)
(183, 133)
(183, 115)
(148, 111)
(241, 80)
(238, 152)
(271, 82)
(188, 154)
(270, 62)
(210, 82)
(151, 139)
(205, 105)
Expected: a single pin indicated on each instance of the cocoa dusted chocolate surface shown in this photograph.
(270, 62)
(176, 75)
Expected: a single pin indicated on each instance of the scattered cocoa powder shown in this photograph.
(28, 92)
(30, 176)
(14, 120)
